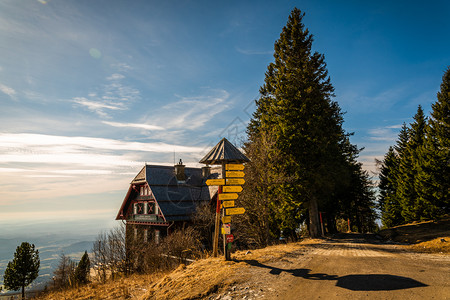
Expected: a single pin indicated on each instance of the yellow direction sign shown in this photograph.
(215, 182)
(232, 189)
(235, 211)
(235, 181)
(226, 219)
(229, 196)
(234, 167)
(235, 174)
(228, 203)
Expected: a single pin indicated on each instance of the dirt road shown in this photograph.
(348, 268)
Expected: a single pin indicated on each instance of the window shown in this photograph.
(145, 235)
(150, 207)
(135, 209)
(135, 233)
(145, 208)
(142, 191)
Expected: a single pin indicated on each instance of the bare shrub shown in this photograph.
(109, 253)
(64, 275)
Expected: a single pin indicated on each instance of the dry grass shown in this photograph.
(214, 275)
(440, 245)
(195, 281)
(132, 287)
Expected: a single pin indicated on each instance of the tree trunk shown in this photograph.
(23, 292)
(314, 224)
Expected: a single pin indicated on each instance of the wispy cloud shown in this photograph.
(113, 96)
(386, 134)
(13, 145)
(133, 125)
(99, 107)
(115, 76)
(7, 90)
(253, 52)
(193, 112)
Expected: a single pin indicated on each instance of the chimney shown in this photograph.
(206, 171)
(179, 171)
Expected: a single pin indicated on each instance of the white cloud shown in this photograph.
(113, 96)
(7, 90)
(253, 52)
(384, 134)
(50, 144)
(115, 76)
(133, 125)
(192, 112)
(98, 106)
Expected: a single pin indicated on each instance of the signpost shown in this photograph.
(226, 219)
(226, 229)
(234, 167)
(215, 182)
(228, 196)
(235, 181)
(235, 211)
(230, 238)
(232, 189)
(228, 203)
(231, 159)
(235, 174)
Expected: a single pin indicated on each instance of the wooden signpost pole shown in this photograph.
(226, 251)
(217, 224)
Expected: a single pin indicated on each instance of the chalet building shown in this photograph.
(161, 199)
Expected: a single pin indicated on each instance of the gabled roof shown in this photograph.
(177, 200)
(224, 152)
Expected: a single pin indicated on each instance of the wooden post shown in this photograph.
(321, 223)
(226, 251)
(217, 225)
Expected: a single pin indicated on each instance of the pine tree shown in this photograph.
(410, 166)
(23, 269)
(434, 184)
(295, 102)
(388, 202)
(82, 270)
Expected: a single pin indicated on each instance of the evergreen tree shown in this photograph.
(388, 203)
(295, 102)
(23, 269)
(434, 183)
(82, 270)
(410, 166)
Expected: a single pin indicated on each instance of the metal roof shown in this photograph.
(224, 152)
(177, 200)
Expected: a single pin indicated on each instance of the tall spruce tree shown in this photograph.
(410, 166)
(23, 269)
(388, 203)
(295, 103)
(434, 184)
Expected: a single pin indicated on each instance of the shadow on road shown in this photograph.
(356, 282)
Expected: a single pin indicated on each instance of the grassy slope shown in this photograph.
(211, 275)
(430, 236)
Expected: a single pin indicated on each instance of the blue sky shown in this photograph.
(91, 90)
